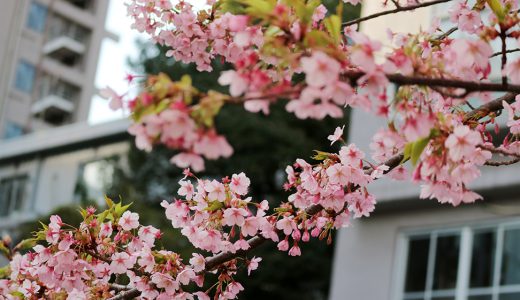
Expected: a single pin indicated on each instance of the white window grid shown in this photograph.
(462, 290)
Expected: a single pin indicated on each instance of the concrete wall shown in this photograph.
(367, 261)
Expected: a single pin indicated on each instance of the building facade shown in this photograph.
(48, 59)
(57, 167)
(49, 155)
(419, 249)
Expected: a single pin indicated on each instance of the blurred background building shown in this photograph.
(419, 249)
(49, 60)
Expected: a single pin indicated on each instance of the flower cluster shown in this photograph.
(88, 262)
(300, 52)
(217, 216)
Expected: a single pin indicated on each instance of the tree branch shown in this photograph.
(392, 163)
(393, 11)
(469, 86)
(507, 52)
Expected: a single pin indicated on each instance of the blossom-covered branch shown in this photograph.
(298, 52)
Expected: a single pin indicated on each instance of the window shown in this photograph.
(24, 79)
(94, 180)
(481, 263)
(13, 194)
(13, 130)
(37, 17)
(60, 26)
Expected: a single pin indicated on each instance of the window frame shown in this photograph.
(462, 290)
(14, 183)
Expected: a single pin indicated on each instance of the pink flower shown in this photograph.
(198, 262)
(512, 70)
(237, 83)
(202, 296)
(239, 183)
(363, 52)
(250, 226)
(338, 174)
(188, 160)
(319, 13)
(76, 295)
(148, 234)
(336, 136)
(237, 22)
(186, 189)
(295, 251)
(461, 143)
(286, 225)
(320, 69)
(216, 191)
(129, 221)
(253, 264)
(186, 276)
(234, 216)
(116, 101)
(283, 245)
(105, 230)
(121, 263)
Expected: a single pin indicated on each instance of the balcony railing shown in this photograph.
(53, 109)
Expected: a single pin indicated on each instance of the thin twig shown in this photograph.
(502, 163)
(393, 11)
(503, 38)
(469, 86)
(507, 52)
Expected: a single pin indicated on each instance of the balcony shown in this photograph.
(53, 109)
(87, 5)
(65, 49)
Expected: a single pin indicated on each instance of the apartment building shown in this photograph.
(49, 155)
(419, 249)
(48, 57)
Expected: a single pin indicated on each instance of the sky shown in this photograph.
(113, 63)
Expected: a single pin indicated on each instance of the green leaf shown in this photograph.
(109, 202)
(18, 294)
(320, 155)
(497, 8)
(5, 272)
(407, 152)
(214, 206)
(333, 26)
(26, 244)
(4, 250)
(119, 210)
(418, 148)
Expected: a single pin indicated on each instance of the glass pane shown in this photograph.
(37, 16)
(483, 259)
(443, 298)
(481, 297)
(417, 264)
(510, 273)
(24, 77)
(19, 195)
(446, 262)
(4, 203)
(509, 296)
(12, 130)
